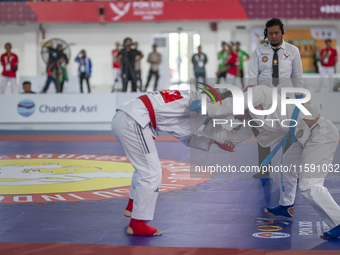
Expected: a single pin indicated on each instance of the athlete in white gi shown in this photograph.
(135, 126)
(317, 140)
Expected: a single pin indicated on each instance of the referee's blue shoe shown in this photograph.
(280, 210)
(334, 233)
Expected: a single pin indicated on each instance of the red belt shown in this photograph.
(146, 100)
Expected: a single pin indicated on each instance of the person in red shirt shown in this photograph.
(9, 62)
(116, 69)
(329, 57)
(232, 64)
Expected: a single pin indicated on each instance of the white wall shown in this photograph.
(98, 40)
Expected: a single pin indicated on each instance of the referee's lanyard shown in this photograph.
(292, 138)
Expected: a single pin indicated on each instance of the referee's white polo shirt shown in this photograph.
(290, 66)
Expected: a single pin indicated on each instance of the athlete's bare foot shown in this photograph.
(268, 212)
(324, 237)
(291, 211)
(127, 213)
(129, 231)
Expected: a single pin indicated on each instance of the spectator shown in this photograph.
(222, 57)
(62, 62)
(336, 87)
(154, 59)
(128, 58)
(62, 72)
(137, 67)
(9, 62)
(232, 64)
(316, 59)
(53, 70)
(26, 86)
(329, 58)
(199, 61)
(117, 72)
(241, 56)
(84, 70)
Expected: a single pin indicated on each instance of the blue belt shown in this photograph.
(292, 138)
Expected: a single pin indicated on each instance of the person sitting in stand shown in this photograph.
(26, 86)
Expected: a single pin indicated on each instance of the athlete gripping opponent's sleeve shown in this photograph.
(135, 126)
(314, 141)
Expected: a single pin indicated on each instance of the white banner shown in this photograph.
(323, 32)
(61, 108)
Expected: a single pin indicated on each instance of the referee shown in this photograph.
(275, 64)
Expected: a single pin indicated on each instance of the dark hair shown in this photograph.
(26, 82)
(127, 38)
(271, 23)
(224, 42)
(237, 42)
(154, 45)
(8, 44)
(328, 40)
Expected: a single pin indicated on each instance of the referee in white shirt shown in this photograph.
(275, 64)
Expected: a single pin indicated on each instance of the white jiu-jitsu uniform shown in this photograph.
(315, 146)
(132, 126)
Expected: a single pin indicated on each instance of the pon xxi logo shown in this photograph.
(26, 107)
(45, 178)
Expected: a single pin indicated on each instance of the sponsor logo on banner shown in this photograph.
(275, 235)
(147, 10)
(120, 9)
(44, 178)
(26, 107)
(330, 9)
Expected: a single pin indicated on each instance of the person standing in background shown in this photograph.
(62, 73)
(26, 86)
(84, 69)
(9, 62)
(137, 67)
(242, 55)
(63, 61)
(154, 59)
(116, 69)
(329, 58)
(232, 65)
(128, 58)
(199, 60)
(316, 59)
(222, 57)
(275, 64)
